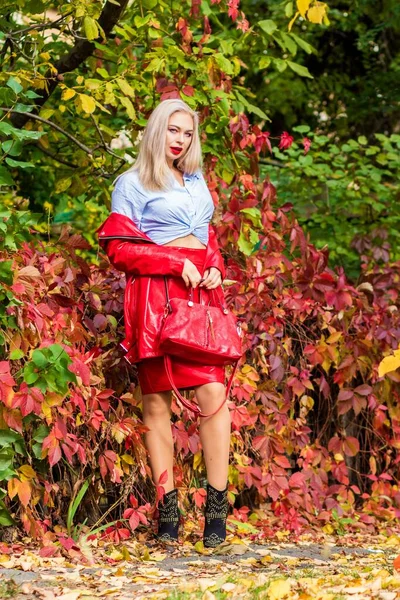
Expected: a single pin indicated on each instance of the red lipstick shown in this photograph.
(176, 150)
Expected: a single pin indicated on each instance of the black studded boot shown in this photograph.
(216, 513)
(168, 517)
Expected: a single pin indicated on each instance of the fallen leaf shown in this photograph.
(278, 589)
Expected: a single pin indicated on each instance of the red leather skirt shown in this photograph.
(151, 371)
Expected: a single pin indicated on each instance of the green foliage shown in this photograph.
(345, 194)
(48, 369)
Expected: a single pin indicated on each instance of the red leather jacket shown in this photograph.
(144, 263)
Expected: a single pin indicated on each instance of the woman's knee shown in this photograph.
(210, 395)
(157, 405)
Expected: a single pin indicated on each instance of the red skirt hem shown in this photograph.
(187, 375)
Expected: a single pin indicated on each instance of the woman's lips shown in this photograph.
(176, 150)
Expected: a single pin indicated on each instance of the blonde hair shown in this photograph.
(151, 163)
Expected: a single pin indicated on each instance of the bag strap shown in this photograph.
(193, 407)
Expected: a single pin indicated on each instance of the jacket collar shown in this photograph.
(118, 226)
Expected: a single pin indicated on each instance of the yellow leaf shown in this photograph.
(303, 6)
(338, 457)
(68, 94)
(334, 337)
(316, 13)
(125, 88)
(328, 529)
(128, 459)
(197, 460)
(91, 28)
(87, 103)
(388, 364)
(129, 107)
(27, 472)
(280, 588)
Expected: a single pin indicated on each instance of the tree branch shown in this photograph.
(82, 49)
(54, 125)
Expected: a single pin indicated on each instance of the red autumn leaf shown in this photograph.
(13, 419)
(29, 400)
(345, 394)
(363, 390)
(233, 11)
(52, 445)
(306, 143)
(297, 480)
(286, 141)
(134, 520)
(188, 90)
(5, 375)
(396, 563)
(81, 370)
(49, 551)
(351, 446)
(282, 461)
(200, 496)
(163, 478)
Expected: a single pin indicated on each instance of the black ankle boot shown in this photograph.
(168, 517)
(216, 512)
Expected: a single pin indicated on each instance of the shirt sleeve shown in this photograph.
(127, 198)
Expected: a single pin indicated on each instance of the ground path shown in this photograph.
(352, 567)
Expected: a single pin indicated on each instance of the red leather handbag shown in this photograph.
(199, 333)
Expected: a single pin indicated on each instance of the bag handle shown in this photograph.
(193, 407)
(215, 298)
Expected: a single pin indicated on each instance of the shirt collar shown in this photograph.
(195, 175)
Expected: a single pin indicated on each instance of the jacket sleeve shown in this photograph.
(215, 258)
(145, 259)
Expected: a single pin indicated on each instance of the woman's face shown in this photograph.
(179, 136)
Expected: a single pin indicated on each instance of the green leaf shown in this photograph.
(268, 26)
(6, 274)
(251, 108)
(91, 28)
(289, 43)
(16, 354)
(362, 140)
(39, 359)
(14, 85)
(5, 176)
(18, 163)
(299, 69)
(13, 147)
(289, 9)
(7, 128)
(5, 518)
(302, 43)
(73, 505)
(254, 214)
(223, 63)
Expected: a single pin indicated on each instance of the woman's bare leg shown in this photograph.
(215, 433)
(158, 440)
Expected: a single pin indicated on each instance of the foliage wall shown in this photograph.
(314, 422)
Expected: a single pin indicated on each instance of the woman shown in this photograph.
(159, 226)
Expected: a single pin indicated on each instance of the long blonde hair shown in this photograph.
(151, 163)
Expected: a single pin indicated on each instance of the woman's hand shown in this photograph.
(212, 278)
(190, 274)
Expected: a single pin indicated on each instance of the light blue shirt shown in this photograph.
(167, 214)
